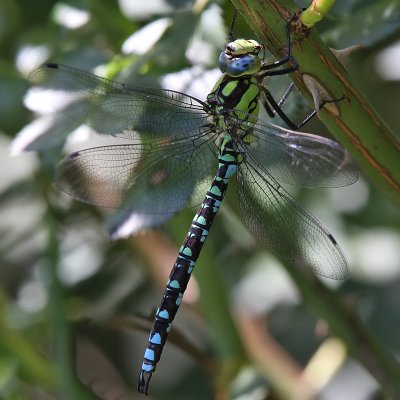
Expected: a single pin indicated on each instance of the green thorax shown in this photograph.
(231, 99)
(238, 94)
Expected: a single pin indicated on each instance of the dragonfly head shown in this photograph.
(240, 58)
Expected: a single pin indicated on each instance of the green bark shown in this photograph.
(315, 12)
(352, 121)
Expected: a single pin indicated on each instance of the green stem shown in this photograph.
(345, 323)
(215, 306)
(69, 384)
(354, 124)
(315, 12)
(32, 364)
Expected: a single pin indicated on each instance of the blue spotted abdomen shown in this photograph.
(187, 257)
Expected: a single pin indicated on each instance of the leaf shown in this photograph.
(363, 22)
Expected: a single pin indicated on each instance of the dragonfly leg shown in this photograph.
(277, 108)
(307, 118)
(270, 111)
(281, 102)
(271, 106)
(269, 102)
(268, 69)
(283, 99)
(314, 112)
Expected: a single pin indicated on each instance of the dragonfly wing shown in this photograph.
(114, 108)
(141, 177)
(300, 158)
(288, 230)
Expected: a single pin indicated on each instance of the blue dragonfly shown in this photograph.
(174, 145)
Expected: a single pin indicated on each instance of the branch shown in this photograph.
(353, 122)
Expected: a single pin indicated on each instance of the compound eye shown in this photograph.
(246, 65)
(223, 61)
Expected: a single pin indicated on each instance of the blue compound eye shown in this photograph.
(245, 65)
(223, 62)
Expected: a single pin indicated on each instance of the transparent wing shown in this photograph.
(114, 108)
(171, 150)
(143, 177)
(288, 230)
(300, 158)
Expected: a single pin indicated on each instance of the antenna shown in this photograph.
(235, 14)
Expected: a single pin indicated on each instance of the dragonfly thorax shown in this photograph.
(240, 58)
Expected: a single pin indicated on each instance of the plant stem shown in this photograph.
(355, 124)
(315, 12)
(69, 385)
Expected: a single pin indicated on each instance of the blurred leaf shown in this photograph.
(365, 23)
(136, 10)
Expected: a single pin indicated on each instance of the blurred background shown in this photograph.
(76, 307)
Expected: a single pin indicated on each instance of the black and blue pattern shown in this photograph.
(186, 261)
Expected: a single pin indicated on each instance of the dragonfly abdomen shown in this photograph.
(186, 261)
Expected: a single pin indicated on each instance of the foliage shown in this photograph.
(74, 305)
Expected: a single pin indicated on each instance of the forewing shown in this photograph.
(114, 108)
(284, 227)
(300, 158)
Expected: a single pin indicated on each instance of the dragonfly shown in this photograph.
(176, 142)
